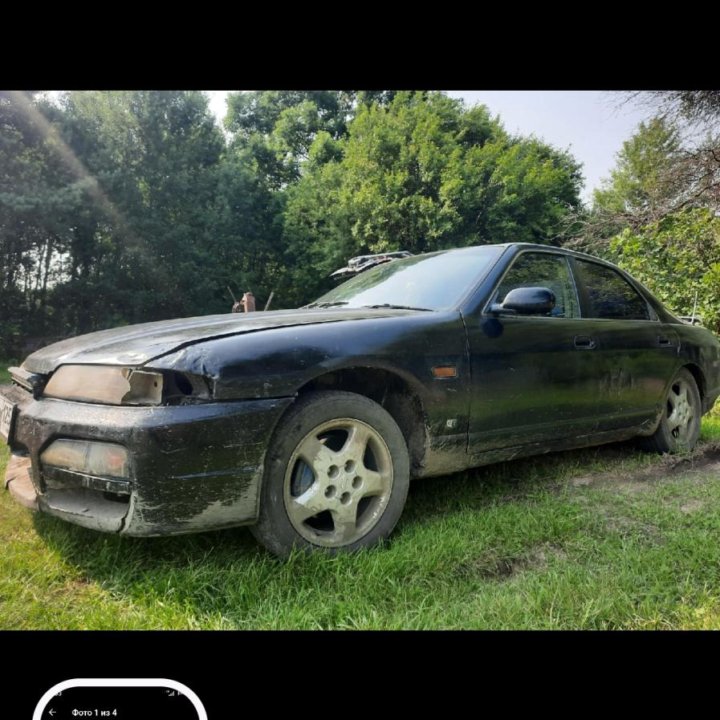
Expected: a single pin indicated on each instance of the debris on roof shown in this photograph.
(361, 263)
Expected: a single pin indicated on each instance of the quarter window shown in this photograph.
(542, 270)
(609, 295)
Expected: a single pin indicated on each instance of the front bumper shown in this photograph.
(194, 467)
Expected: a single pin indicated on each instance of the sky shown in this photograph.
(591, 124)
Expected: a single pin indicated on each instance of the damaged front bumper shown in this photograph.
(19, 481)
(191, 467)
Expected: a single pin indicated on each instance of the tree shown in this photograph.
(243, 247)
(107, 204)
(638, 188)
(154, 156)
(36, 193)
(678, 258)
(421, 173)
(278, 127)
(695, 176)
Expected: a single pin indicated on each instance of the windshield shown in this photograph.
(426, 282)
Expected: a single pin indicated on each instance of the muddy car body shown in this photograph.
(308, 424)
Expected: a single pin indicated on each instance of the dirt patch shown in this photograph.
(703, 459)
(630, 527)
(692, 506)
(489, 568)
(494, 567)
(80, 583)
(691, 467)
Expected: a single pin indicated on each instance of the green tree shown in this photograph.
(656, 217)
(421, 173)
(638, 187)
(278, 127)
(153, 158)
(243, 248)
(678, 258)
(37, 195)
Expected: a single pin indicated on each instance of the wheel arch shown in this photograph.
(397, 394)
(699, 377)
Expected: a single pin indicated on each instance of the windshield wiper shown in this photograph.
(325, 304)
(396, 307)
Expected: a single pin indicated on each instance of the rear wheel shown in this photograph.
(679, 428)
(336, 476)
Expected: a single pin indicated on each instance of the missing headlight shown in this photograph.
(183, 388)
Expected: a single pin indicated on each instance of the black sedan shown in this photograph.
(308, 424)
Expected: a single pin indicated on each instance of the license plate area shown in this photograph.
(7, 418)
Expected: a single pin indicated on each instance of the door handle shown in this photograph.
(584, 342)
(664, 341)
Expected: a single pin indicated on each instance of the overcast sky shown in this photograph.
(592, 125)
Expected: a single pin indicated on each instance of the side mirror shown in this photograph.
(526, 301)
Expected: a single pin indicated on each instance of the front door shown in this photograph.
(533, 377)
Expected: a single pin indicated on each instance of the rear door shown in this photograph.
(635, 353)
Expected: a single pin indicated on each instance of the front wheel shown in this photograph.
(336, 476)
(679, 427)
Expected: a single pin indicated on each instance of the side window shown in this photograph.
(542, 270)
(609, 294)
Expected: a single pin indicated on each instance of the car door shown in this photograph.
(531, 378)
(636, 353)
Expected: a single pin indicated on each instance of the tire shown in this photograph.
(679, 427)
(336, 477)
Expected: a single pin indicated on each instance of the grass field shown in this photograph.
(600, 538)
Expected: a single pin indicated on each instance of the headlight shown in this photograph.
(103, 384)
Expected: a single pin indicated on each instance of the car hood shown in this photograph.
(137, 344)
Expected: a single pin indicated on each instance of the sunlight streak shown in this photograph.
(76, 167)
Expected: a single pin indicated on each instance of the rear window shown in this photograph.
(609, 295)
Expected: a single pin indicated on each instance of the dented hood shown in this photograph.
(137, 344)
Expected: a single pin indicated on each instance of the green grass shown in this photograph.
(600, 538)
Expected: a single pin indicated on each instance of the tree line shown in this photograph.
(129, 206)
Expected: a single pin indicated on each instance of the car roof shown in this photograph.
(536, 246)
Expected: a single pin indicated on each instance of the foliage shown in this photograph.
(638, 184)
(36, 195)
(278, 127)
(678, 258)
(422, 173)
